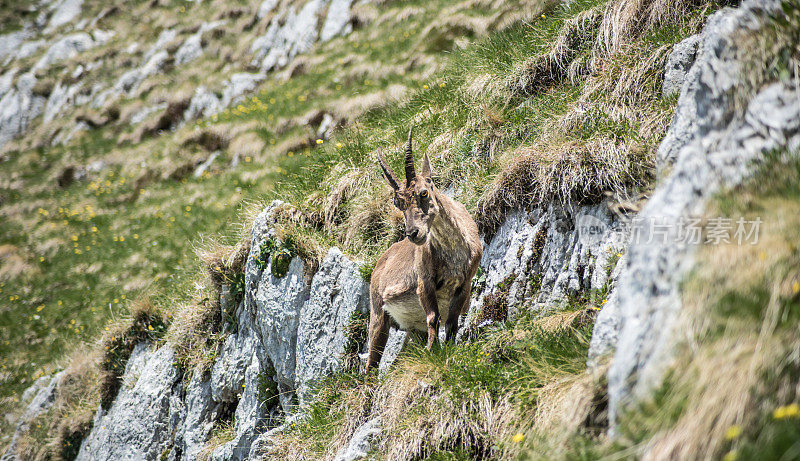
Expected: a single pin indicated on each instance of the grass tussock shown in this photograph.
(579, 173)
(576, 35)
(771, 53)
(145, 323)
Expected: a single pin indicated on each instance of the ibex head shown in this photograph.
(417, 199)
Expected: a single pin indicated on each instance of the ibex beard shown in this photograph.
(427, 276)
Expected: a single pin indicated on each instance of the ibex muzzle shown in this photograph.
(428, 274)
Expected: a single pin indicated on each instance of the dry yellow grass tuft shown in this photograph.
(576, 172)
(626, 20)
(552, 67)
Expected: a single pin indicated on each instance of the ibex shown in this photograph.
(428, 274)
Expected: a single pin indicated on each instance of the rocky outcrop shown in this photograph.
(337, 21)
(65, 48)
(205, 103)
(290, 32)
(60, 96)
(192, 47)
(286, 333)
(19, 107)
(145, 414)
(38, 399)
(538, 260)
(361, 441)
(10, 43)
(289, 332)
(294, 32)
(338, 292)
(678, 64)
(64, 11)
(129, 81)
(710, 144)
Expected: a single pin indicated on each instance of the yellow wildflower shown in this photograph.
(730, 456)
(733, 432)
(518, 437)
(787, 411)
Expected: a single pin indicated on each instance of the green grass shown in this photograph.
(129, 231)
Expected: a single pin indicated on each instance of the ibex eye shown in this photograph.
(423, 194)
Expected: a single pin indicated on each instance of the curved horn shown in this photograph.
(409, 162)
(387, 172)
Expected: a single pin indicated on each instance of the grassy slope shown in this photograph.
(742, 303)
(75, 256)
(521, 389)
(465, 104)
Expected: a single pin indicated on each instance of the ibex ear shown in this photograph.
(387, 171)
(426, 167)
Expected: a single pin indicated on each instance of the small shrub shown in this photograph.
(267, 247)
(281, 258)
(495, 308)
(281, 254)
(236, 284)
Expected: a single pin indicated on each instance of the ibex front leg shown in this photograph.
(378, 330)
(458, 305)
(426, 289)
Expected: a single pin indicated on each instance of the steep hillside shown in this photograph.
(135, 132)
(632, 167)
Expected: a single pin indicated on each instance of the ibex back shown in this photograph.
(427, 275)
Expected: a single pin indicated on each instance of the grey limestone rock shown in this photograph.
(64, 12)
(337, 291)
(138, 424)
(18, 107)
(680, 60)
(709, 145)
(65, 48)
(337, 21)
(39, 397)
(360, 443)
